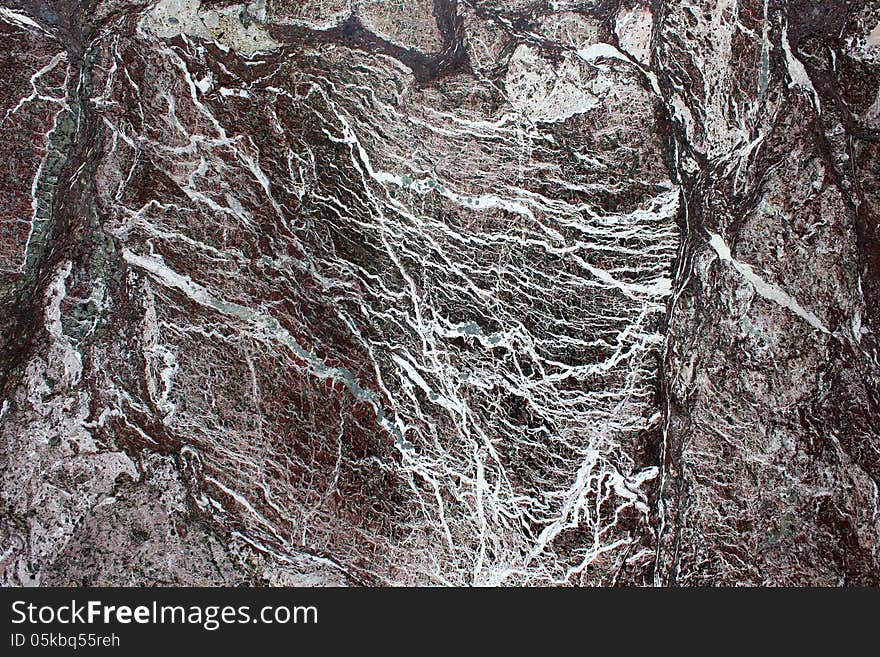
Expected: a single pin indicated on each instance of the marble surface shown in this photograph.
(412, 292)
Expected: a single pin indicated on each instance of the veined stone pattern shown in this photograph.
(410, 292)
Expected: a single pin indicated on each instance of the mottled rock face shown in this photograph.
(419, 292)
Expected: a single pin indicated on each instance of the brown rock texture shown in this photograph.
(439, 293)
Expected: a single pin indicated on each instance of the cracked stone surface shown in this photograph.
(414, 292)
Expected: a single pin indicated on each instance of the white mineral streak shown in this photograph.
(264, 326)
(714, 121)
(510, 323)
(23, 20)
(161, 362)
(797, 73)
(766, 290)
(67, 354)
(411, 326)
(39, 93)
